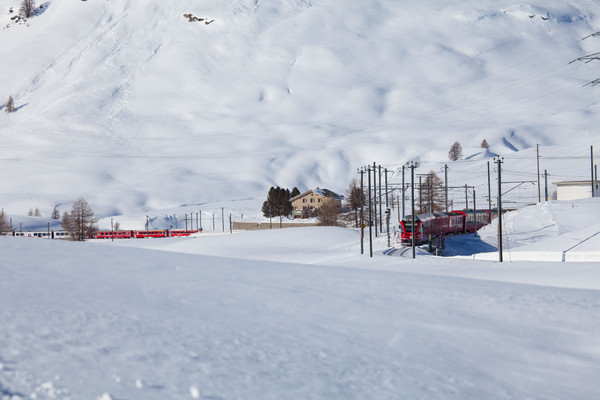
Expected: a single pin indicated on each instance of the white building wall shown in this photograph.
(575, 192)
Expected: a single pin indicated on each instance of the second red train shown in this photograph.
(431, 225)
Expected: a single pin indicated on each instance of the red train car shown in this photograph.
(431, 225)
(151, 234)
(474, 219)
(182, 232)
(113, 234)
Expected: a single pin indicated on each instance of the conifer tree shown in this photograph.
(277, 203)
(10, 105)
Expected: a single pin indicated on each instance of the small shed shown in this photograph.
(574, 190)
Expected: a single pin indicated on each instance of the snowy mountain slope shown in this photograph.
(135, 108)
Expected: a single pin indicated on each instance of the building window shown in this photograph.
(312, 200)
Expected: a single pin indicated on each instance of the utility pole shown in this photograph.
(362, 225)
(499, 162)
(546, 185)
(387, 200)
(466, 198)
(370, 214)
(446, 184)
(375, 195)
(489, 193)
(112, 231)
(387, 223)
(403, 196)
(538, 174)
(592, 169)
(413, 221)
(223, 218)
(420, 195)
(380, 210)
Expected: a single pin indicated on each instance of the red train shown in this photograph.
(143, 234)
(439, 224)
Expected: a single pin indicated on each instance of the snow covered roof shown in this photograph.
(321, 192)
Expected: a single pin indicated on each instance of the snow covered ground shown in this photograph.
(294, 313)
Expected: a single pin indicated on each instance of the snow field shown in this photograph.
(289, 314)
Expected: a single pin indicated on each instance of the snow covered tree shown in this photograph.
(484, 144)
(30, 212)
(10, 105)
(455, 152)
(37, 213)
(329, 213)
(55, 214)
(80, 221)
(27, 8)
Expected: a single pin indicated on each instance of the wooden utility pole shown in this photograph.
(446, 184)
(380, 208)
(362, 224)
(403, 196)
(592, 169)
(370, 214)
(489, 192)
(374, 201)
(413, 220)
(499, 162)
(546, 185)
(538, 174)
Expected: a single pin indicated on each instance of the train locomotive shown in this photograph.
(432, 225)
